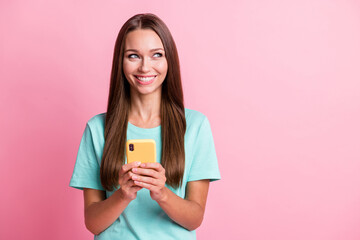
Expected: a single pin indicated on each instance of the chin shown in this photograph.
(142, 91)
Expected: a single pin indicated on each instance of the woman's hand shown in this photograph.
(128, 189)
(152, 177)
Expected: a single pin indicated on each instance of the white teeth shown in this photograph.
(144, 79)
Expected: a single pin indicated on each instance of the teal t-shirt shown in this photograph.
(143, 218)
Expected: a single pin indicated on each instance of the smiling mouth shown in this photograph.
(144, 80)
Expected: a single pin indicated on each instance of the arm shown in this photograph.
(186, 212)
(100, 212)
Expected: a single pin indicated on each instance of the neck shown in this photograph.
(145, 109)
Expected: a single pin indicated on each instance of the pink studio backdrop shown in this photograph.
(279, 81)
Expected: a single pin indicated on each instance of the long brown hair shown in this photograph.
(173, 123)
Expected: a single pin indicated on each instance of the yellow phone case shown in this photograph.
(141, 150)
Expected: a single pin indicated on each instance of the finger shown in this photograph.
(148, 180)
(136, 188)
(126, 167)
(156, 166)
(145, 185)
(142, 184)
(128, 176)
(146, 172)
(129, 184)
(124, 179)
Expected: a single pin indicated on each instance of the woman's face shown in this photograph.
(144, 62)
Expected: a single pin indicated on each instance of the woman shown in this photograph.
(162, 200)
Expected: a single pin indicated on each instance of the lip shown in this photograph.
(145, 83)
(145, 75)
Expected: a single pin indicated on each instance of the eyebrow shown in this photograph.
(152, 50)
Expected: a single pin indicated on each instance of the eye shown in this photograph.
(158, 55)
(133, 55)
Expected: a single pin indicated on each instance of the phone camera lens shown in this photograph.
(131, 147)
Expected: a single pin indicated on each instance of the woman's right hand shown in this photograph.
(128, 190)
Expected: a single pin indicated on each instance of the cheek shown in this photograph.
(162, 67)
(125, 67)
(128, 67)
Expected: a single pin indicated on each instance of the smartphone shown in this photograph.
(141, 150)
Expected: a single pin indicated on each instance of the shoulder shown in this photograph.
(194, 117)
(97, 119)
(195, 120)
(97, 123)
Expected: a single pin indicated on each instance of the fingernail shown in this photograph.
(134, 169)
(142, 165)
(138, 163)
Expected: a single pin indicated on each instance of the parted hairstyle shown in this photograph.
(173, 123)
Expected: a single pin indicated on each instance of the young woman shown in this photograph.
(162, 200)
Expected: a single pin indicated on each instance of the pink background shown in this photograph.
(279, 81)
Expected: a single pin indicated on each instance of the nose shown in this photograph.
(145, 65)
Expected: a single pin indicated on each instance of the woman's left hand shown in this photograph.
(152, 177)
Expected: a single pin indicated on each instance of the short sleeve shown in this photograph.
(86, 172)
(204, 164)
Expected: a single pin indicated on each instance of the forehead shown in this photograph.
(142, 39)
